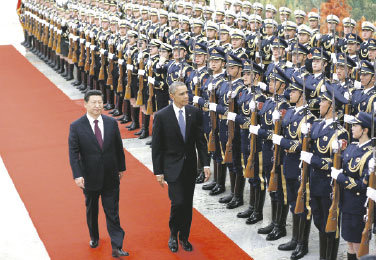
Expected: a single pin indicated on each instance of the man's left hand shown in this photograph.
(121, 175)
(207, 174)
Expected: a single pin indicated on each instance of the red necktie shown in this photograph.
(98, 133)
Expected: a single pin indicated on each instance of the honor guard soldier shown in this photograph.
(230, 18)
(304, 36)
(353, 44)
(210, 122)
(289, 29)
(320, 60)
(237, 6)
(219, 17)
(277, 106)
(348, 27)
(372, 50)
(352, 177)
(270, 12)
(362, 99)
(242, 22)
(299, 55)
(300, 16)
(270, 27)
(258, 8)
(290, 142)
(253, 38)
(237, 43)
(344, 68)
(208, 13)
(154, 18)
(211, 30)
(224, 37)
(314, 24)
(325, 134)
(329, 41)
(249, 103)
(247, 7)
(368, 29)
(284, 16)
(228, 95)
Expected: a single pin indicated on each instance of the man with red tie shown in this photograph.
(97, 160)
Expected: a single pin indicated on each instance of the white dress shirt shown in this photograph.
(100, 124)
(176, 110)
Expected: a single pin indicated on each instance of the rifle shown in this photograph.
(54, 42)
(103, 61)
(87, 59)
(74, 55)
(367, 231)
(231, 127)
(250, 168)
(348, 105)
(213, 120)
(92, 64)
(110, 68)
(50, 40)
(129, 77)
(58, 49)
(299, 206)
(120, 80)
(149, 109)
(139, 101)
(332, 222)
(81, 61)
(70, 53)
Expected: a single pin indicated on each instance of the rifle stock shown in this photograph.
(127, 95)
(299, 207)
(92, 64)
(139, 101)
(75, 49)
(213, 120)
(231, 128)
(273, 182)
(149, 109)
(87, 59)
(58, 49)
(332, 222)
(101, 71)
(250, 168)
(110, 68)
(81, 61)
(120, 86)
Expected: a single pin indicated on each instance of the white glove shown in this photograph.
(335, 172)
(102, 51)
(306, 156)
(92, 47)
(195, 80)
(257, 54)
(334, 58)
(211, 87)
(233, 94)
(253, 129)
(195, 99)
(348, 118)
(371, 193)
(277, 139)
(149, 63)
(128, 52)
(171, 37)
(213, 107)
(252, 105)
(141, 72)
(151, 80)
(262, 85)
(335, 76)
(91, 34)
(129, 67)
(120, 61)
(87, 44)
(347, 95)
(231, 116)
(276, 115)
(357, 84)
(140, 56)
(371, 165)
(111, 56)
(161, 61)
(335, 145)
(305, 128)
(318, 36)
(82, 41)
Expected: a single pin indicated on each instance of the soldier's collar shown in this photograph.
(363, 144)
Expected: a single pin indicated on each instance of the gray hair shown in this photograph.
(172, 88)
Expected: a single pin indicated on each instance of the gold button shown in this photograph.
(346, 182)
(357, 194)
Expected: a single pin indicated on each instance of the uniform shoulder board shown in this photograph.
(354, 143)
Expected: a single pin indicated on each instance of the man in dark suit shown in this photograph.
(177, 133)
(97, 160)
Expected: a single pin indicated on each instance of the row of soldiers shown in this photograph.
(280, 102)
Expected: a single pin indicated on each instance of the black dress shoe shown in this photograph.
(246, 213)
(218, 189)
(173, 244)
(209, 186)
(254, 218)
(186, 245)
(139, 132)
(109, 107)
(119, 252)
(93, 243)
(235, 202)
(200, 178)
(148, 142)
(277, 233)
(266, 230)
(226, 199)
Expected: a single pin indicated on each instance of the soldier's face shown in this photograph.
(218, 18)
(351, 48)
(278, 52)
(366, 34)
(269, 30)
(153, 50)
(229, 21)
(180, 97)
(144, 16)
(164, 54)
(313, 24)
(259, 12)
(273, 84)
(154, 18)
(216, 65)
(174, 23)
(208, 16)
(317, 65)
(357, 131)
(197, 30)
(372, 54)
(283, 17)
(325, 107)
(253, 25)
(269, 14)
(123, 31)
(290, 34)
(341, 72)
(180, 10)
(210, 34)
(105, 25)
(298, 58)
(247, 78)
(200, 59)
(224, 37)
(234, 71)
(295, 95)
(366, 79)
(236, 43)
(331, 26)
(347, 29)
(178, 53)
(94, 106)
(303, 38)
(299, 20)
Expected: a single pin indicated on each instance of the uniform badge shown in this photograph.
(364, 103)
(357, 160)
(325, 138)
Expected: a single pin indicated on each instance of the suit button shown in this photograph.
(357, 194)
(328, 175)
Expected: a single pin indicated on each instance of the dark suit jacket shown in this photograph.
(170, 151)
(99, 167)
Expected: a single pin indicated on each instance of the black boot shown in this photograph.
(291, 245)
(279, 230)
(200, 177)
(248, 212)
(135, 119)
(220, 187)
(70, 72)
(211, 184)
(332, 244)
(83, 85)
(110, 98)
(145, 134)
(323, 243)
(142, 125)
(78, 78)
(259, 206)
(127, 112)
(119, 106)
(64, 70)
(351, 256)
(228, 198)
(237, 200)
(269, 228)
(302, 248)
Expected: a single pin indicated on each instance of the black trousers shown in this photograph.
(181, 196)
(110, 203)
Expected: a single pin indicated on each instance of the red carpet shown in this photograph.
(34, 145)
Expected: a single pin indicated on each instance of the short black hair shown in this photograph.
(93, 92)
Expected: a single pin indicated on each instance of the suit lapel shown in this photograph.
(89, 130)
(106, 128)
(188, 120)
(176, 123)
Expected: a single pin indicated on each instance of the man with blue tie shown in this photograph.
(97, 160)
(177, 134)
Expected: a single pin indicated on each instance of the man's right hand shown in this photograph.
(160, 179)
(80, 182)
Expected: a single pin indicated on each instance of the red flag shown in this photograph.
(19, 4)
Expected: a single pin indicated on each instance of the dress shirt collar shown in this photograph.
(91, 119)
(176, 109)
